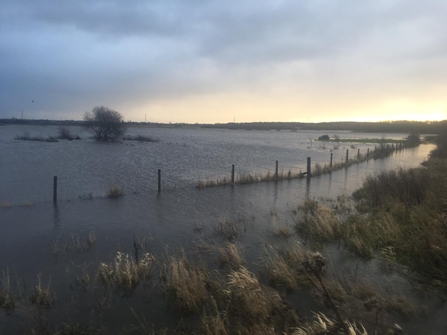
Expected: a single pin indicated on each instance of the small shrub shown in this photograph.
(64, 133)
(323, 138)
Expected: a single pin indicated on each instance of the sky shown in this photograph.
(223, 61)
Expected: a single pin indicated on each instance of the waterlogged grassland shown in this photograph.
(211, 288)
(399, 215)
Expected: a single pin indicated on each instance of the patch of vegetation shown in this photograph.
(7, 300)
(125, 274)
(42, 298)
(184, 284)
(115, 192)
(64, 133)
(228, 229)
(230, 255)
(27, 137)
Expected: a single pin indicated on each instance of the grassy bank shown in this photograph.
(399, 215)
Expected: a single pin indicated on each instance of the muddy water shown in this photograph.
(32, 235)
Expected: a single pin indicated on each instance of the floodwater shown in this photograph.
(32, 227)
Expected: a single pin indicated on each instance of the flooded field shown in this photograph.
(63, 245)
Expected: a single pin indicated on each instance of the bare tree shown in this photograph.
(105, 124)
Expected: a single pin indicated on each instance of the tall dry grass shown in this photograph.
(230, 255)
(123, 273)
(184, 284)
(317, 221)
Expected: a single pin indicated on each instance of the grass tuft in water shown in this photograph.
(115, 192)
(124, 274)
(42, 298)
(7, 300)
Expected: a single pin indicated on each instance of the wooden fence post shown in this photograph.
(358, 154)
(232, 174)
(330, 163)
(347, 155)
(159, 180)
(55, 190)
(308, 167)
(367, 154)
(276, 170)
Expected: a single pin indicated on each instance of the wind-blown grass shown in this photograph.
(124, 274)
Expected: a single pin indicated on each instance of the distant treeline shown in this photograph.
(435, 127)
(408, 127)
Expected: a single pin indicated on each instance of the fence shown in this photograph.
(233, 179)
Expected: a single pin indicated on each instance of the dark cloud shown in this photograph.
(74, 55)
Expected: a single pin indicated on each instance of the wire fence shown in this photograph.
(25, 192)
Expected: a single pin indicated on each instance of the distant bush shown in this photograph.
(323, 138)
(64, 133)
(413, 140)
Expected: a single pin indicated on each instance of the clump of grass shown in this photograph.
(323, 324)
(281, 228)
(6, 205)
(247, 297)
(184, 284)
(115, 192)
(7, 300)
(212, 183)
(42, 298)
(198, 227)
(279, 274)
(228, 229)
(230, 255)
(216, 323)
(315, 220)
(124, 274)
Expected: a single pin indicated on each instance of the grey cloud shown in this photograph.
(76, 54)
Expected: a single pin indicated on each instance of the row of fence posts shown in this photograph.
(308, 170)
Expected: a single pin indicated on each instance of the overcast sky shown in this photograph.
(216, 61)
